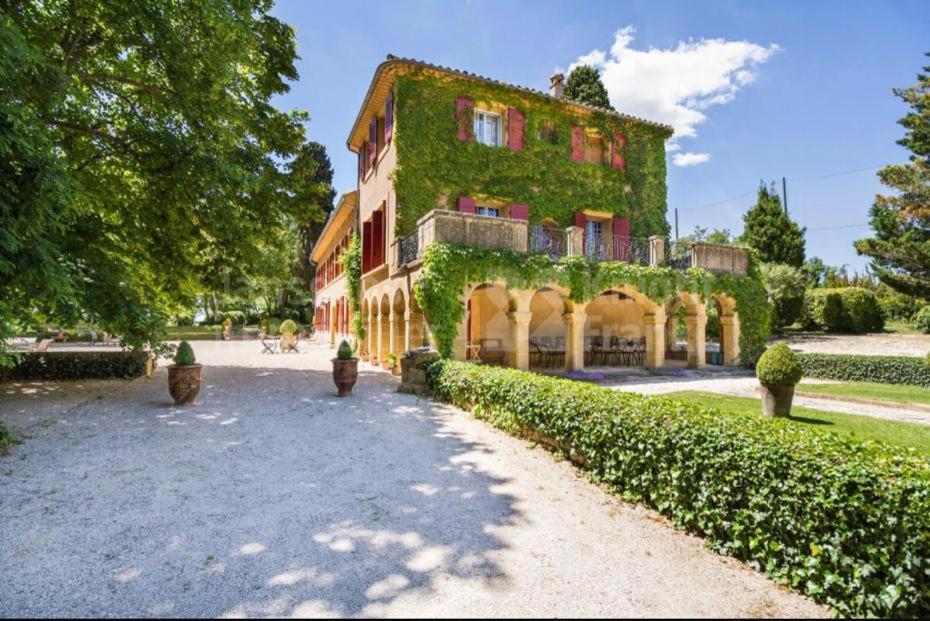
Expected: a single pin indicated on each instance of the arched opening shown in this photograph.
(488, 335)
(615, 331)
(548, 332)
(685, 331)
(723, 331)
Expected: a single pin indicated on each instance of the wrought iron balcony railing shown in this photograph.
(617, 248)
(548, 240)
(408, 248)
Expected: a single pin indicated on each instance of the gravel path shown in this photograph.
(273, 498)
(864, 344)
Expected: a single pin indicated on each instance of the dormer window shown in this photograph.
(487, 128)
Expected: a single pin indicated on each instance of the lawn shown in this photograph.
(861, 428)
(895, 393)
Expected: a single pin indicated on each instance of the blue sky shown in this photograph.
(793, 89)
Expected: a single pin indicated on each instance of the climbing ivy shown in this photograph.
(352, 263)
(449, 268)
(434, 167)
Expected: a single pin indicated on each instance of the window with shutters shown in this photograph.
(488, 128)
(491, 212)
(594, 150)
(548, 132)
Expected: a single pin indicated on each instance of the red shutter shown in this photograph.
(366, 247)
(577, 143)
(463, 115)
(618, 152)
(361, 162)
(515, 123)
(377, 232)
(389, 116)
(621, 243)
(372, 142)
(466, 204)
(519, 212)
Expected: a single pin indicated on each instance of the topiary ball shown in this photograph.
(288, 327)
(779, 366)
(345, 351)
(923, 319)
(184, 356)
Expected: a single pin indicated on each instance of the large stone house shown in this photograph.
(449, 157)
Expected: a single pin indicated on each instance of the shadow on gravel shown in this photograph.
(270, 497)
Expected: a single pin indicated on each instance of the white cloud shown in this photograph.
(689, 159)
(676, 85)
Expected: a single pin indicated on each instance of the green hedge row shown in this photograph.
(77, 365)
(846, 523)
(881, 369)
(843, 309)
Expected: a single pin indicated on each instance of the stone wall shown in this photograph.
(719, 258)
(462, 228)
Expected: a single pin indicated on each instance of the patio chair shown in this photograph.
(598, 354)
(292, 345)
(639, 352)
(492, 351)
(41, 347)
(537, 355)
(268, 346)
(613, 355)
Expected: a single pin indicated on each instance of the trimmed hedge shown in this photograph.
(854, 368)
(922, 319)
(78, 365)
(847, 523)
(843, 309)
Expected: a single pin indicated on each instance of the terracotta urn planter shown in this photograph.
(776, 400)
(345, 374)
(184, 382)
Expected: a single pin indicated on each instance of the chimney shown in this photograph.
(557, 85)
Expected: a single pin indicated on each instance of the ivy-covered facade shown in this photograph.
(444, 150)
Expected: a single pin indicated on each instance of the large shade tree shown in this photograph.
(768, 229)
(584, 85)
(140, 155)
(900, 249)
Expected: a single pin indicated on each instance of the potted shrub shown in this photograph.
(345, 369)
(390, 362)
(227, 328)
(778, 370)
(184, 375)
(288, 331)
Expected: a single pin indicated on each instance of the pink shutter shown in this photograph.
(463, 115)
(389, 116)
(621, 239)
(361, 162)
(618, 151)
(519, 212)
(577, 143)
(372, 141)
(466, 204)
(515, 123)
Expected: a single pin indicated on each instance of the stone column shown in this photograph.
(574, 346)
(407, 333)
(656, 250)
(372, 334)
(575, 236)
(392, 333)
(729, 329)
(655, 339)
(697, 343)
(416, 329)
(520, 336)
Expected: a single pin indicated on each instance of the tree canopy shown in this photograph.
(584, 85)
(900, 249)
(768, 229)
(140, 155)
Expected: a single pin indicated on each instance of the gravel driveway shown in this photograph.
(273, 498)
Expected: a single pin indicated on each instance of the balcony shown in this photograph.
(461, 228)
